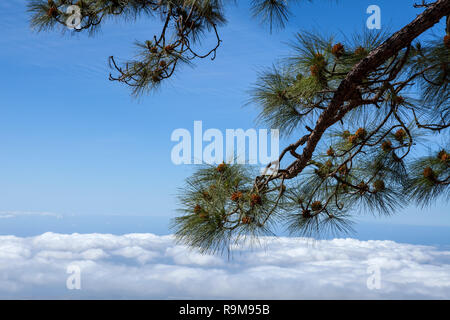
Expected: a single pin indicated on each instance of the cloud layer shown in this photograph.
(15, 214)
(153, 267)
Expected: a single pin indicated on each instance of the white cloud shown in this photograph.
(149, 266)
(15, 214)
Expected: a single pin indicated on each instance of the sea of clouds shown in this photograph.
(147, 266)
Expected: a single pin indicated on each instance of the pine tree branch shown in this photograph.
(374, 60)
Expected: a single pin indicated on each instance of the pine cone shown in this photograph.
(52, 12)
(338, 50)
(399, 100)
(319, 56)
(169, 48)
(360, 51)
(400, 134)
(443, 156)
(255, 199)
(236, 196)
(314, 70)
(343, 170)
(156, 77)
(197, 209)
(379, 185)
(206, 195)
(306, 214)
(353, 139)
(330, 152)
(429, 173)
(363, 187)
(447, 41)
(361, 133)
(316, 206)
(221, 167)
(386, 146)
(246, 220)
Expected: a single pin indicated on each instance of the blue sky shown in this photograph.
(77, 145)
